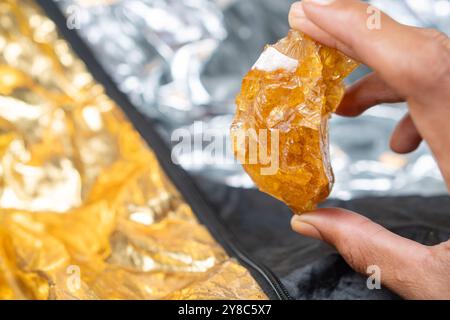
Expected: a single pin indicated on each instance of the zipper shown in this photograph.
(182, 181)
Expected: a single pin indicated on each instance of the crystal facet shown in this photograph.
(280, 130)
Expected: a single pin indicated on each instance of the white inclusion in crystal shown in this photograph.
(272, 59)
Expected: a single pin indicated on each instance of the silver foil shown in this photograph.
(419, 13)
(182, 61)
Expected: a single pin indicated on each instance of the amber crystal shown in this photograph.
(280, 130)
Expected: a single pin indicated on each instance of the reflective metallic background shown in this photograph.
(86, 212)
(181, 61)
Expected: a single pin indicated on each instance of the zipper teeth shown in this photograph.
(216, 227)
(178, 176)
(276, 284)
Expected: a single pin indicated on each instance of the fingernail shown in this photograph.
(297, 10)
(302, 224)
(320, 2)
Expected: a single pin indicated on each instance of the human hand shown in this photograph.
(410, 64)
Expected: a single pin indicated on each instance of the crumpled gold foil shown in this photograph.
(85, 210)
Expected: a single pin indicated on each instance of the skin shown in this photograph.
(410, 64)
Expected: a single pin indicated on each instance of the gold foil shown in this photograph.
(85, 210)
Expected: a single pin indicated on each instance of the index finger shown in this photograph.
(365, 33)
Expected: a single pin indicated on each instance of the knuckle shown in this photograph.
(439, 255)
(439, 39)
(439, 45)
(433, 65)
(427, 259)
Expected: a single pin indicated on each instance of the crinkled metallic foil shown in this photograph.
(179, 68)
(420, 13)
(85, 210)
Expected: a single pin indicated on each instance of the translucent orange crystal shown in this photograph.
(280, 130)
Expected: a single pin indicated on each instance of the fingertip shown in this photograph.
(347, 108)
(297, 9)
(405, 138)
(327, 213)
(355, 100)
(304, 228)
(395, 145)
(322, 216)
(333, 16)
(404, 147)
(301, 24)
(365, 93)
(296, 14)
(298, 19)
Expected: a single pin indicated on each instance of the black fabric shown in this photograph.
(310, 269)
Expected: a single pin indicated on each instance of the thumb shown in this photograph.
(366, 34)
(363, 243)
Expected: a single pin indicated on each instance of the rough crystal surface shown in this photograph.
(280, 130)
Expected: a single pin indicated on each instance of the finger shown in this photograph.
(372, 37)
(363, 243)
(299, 21)
(367, 92)
(405, 138)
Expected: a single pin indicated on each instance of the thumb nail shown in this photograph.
(297, 10)
(320, 2)
(302, 224)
